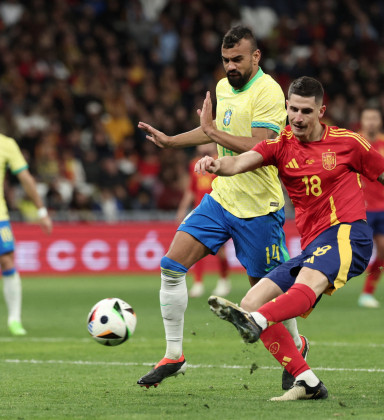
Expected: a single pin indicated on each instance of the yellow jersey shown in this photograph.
(12, 158)
(260, 103)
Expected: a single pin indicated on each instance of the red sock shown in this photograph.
(279, 342)
(374, 273)
(223, 267)
(198, 269)
(296, 301)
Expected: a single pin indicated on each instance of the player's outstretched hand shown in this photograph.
(205, 114)
(155, 136)
(207, 164)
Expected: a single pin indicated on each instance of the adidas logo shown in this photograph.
(292, 164)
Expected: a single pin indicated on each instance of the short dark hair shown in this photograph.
(236, 34)
(307, 86)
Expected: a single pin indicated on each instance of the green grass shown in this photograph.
(59, 372)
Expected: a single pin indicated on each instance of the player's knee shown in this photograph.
(246, 304)
(251, 302)
(7, 261)
(172, 271)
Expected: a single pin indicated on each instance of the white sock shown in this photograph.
(12, 295)
(261, 320)
(173, 303)
(291, 326)
(309, 377)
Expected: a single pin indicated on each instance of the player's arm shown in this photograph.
(230, 165)
(238, 144)
(29, 185)
(187, 139)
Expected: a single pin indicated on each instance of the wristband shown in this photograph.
(42, 212)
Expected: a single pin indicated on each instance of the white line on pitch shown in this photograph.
(200, 366)
(144, 339)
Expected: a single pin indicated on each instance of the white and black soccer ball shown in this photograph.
(111, 321)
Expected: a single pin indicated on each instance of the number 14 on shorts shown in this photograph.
(272, 253)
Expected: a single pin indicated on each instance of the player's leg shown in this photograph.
(374, 271)
(11, 279)
(280, 344)
(260, 246)
(276, 338)
(340, 253)
(184, 251)
(309, 285)
(223, 286)
(197, 236)
(260, 257)
(263, 293)
(366, 299)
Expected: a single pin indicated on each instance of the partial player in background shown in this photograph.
(12, 158)
(247, 208)
(371, 128)
(199, 186)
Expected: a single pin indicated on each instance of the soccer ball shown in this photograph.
(111, 321)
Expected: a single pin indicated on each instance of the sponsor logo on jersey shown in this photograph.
(329, 160)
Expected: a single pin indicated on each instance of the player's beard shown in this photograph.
(238, 80)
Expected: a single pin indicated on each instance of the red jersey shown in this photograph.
(199, 184)
(373, 190)
(323, 177)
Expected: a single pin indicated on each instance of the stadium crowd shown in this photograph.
(77, 76)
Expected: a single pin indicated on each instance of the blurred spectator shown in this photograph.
(82, 202)
(108, 205)
(91, 166)
(54, 199)
(11, 12)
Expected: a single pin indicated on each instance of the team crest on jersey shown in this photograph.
(329, 160)
(227, 117)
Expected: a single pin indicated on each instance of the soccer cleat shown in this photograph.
(366, 300)
(242, 320)
(302, 391)
(288, 379)
(197, 290)
(16, 328)
(223, 287)
(163, 370)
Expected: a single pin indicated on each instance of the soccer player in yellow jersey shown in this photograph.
(12, 158)
(247, 207)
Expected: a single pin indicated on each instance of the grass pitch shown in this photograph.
(58, 372)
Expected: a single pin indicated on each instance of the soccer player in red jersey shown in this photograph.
(371, 129)
(199, 186)
(320, 166)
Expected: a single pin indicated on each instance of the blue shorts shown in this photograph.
(259, 241)
(340, 252)
(375, 220)
(7, 242)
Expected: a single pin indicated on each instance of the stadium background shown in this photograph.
(77, 76)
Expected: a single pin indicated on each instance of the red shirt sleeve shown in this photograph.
(367, 161)
(269, 149)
